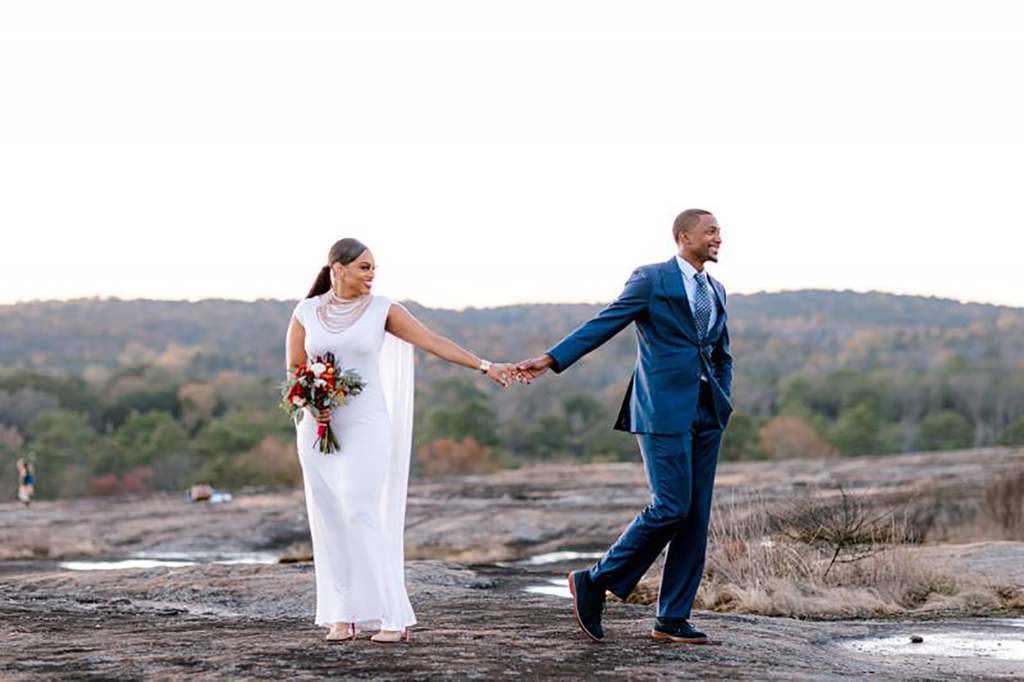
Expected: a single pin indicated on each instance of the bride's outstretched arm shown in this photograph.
(405, 326)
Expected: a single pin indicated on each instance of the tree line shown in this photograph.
(121, 396)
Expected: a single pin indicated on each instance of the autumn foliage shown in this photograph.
(448, 456)
(788, 437)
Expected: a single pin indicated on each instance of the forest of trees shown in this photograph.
(120, 396)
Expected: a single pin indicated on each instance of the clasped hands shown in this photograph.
(504, 373)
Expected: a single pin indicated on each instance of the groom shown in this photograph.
(677, 403)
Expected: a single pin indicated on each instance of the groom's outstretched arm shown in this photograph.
(630, 304)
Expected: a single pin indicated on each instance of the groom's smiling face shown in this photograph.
(702, 241)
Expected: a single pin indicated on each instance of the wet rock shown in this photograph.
(256, 622)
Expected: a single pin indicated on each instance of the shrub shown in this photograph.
(1004, 502)
(1013, 434)
(448, 456)
(945, 430)
(273, 462)
(844, 526)
(789, 437)
(741, 440)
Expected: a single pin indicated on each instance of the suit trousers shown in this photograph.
(681, 475)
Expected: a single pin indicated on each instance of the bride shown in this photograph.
(355, 497)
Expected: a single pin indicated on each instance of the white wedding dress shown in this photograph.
(355, 497)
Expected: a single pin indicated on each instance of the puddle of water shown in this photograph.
(1007, 646)
(552, 558)
(167, 560)
(121, 565)
(554, 587)
(1012, 622)
(247, 560)
(211, 557)
(559, 557)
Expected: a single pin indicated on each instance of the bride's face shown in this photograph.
(357, 277)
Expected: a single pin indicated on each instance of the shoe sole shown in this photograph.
(576, 612)
(663, 637)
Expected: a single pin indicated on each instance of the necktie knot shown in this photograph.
(700, 278)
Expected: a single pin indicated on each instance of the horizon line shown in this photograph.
(763, 292)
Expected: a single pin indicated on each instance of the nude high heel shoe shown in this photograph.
(391, 636)
(337, 635)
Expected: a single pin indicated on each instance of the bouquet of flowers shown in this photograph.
(320, 385)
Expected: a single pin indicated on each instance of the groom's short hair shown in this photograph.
(687, 220)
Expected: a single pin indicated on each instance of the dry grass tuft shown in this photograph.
(1004, 503)
(847, 527)
(767, 561)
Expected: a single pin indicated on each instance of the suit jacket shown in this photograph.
(663, 393)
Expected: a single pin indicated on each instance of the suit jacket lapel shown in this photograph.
(719, 306)
(672, 280)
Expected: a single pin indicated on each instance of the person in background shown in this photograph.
(26, 481)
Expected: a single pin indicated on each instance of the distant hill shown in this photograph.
(825, 329)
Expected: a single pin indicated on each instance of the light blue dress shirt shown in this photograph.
(688, 272)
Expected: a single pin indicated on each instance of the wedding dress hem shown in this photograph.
(378, 623)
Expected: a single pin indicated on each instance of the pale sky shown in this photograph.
(494, 153)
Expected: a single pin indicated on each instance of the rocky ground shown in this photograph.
(255, 621)
(486, 610)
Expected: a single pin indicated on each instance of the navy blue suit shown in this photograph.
(678, 418)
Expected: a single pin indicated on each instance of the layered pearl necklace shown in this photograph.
(338, 314)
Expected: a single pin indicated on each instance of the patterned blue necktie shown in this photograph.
(702, 305)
